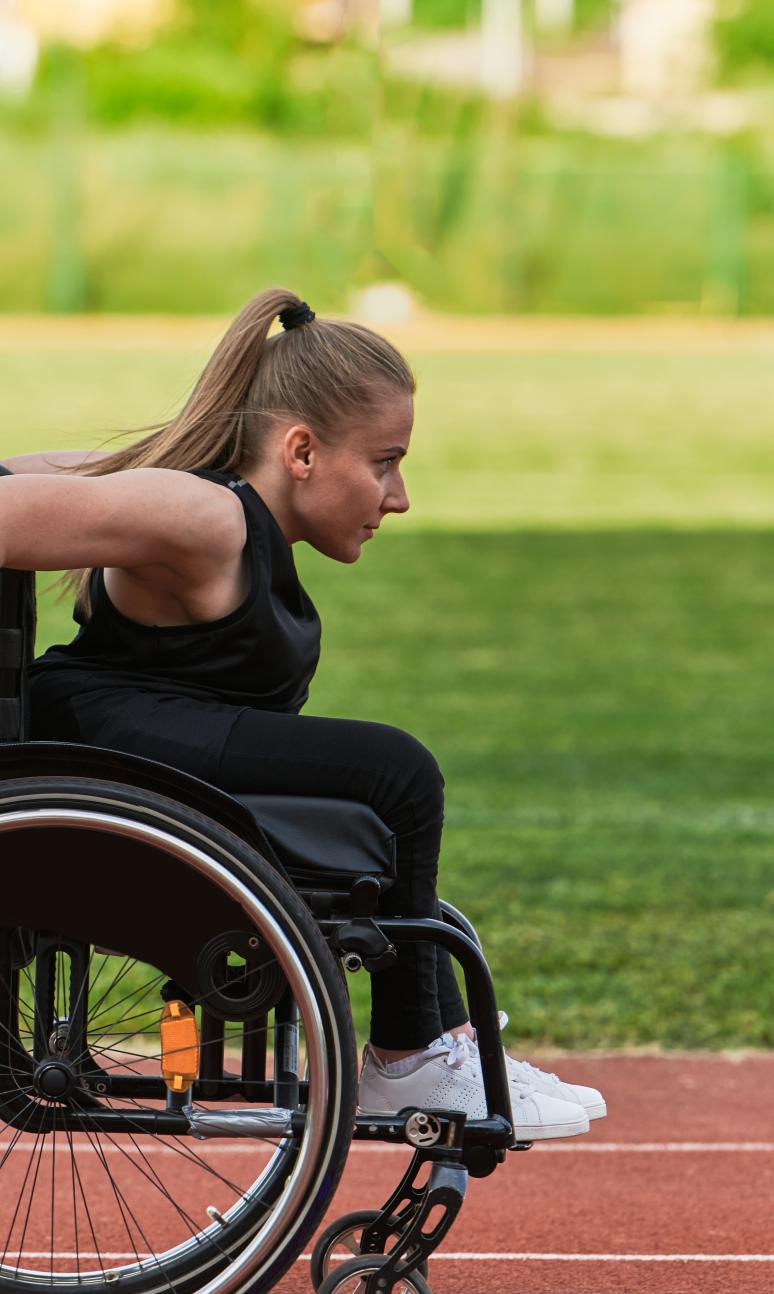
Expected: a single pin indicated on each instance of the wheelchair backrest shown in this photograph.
(17, 647)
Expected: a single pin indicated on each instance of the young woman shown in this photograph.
(197, 642)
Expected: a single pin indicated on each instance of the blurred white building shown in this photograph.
(502, 48)
(554, 15)
(19, 48)
(396, 13)
(655, 50)
(664, 46)
(85, 22)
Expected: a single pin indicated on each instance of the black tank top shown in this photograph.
(263, 655)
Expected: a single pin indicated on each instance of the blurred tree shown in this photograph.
(462, 13)
(240, 26)
(243, 63)
(446, 13)
(744, 34)
(594, 13)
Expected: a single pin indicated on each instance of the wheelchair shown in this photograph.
(177, 1059)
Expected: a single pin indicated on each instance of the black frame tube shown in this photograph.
(479, 989)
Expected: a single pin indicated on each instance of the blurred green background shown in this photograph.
(174, 170)
(577, 615)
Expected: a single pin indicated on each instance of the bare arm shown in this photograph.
(53, 462)
(140, 517)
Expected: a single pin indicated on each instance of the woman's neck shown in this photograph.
(276, 496)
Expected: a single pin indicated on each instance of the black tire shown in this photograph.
(349, 1278)
(119, 868)
(345, 1233)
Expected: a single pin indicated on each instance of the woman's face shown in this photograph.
(351, 486)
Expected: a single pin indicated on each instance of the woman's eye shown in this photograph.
(385, 462)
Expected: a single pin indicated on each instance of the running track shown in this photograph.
(672, 1194)
(680, 1172)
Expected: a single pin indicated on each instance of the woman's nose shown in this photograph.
(397, 500)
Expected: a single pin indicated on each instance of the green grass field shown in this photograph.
(578, 618)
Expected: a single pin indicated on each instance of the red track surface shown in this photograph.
(600, 1194)
(681, 1171)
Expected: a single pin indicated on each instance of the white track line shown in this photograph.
(474, 1257)
(661, 1147)
(608, 1258)
(206, 1148)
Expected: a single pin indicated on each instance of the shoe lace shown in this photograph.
(520, 1071)
(460, 1050)
(541, 1073)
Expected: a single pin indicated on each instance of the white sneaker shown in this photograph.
(551, 1085)
(447, 1076)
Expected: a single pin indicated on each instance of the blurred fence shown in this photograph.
(182, 172)
(161, 219)
(538, 227)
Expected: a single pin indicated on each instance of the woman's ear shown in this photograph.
(298, 451)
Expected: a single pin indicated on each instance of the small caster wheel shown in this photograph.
(343, 1237)
(351, 1277)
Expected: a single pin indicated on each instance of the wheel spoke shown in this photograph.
(92, 1232)
(17, 1090)
(11, 1146)
(22, 1130)
(185, 1150)
(152, 1176)
(129, 962)
(7, 1027)
(156, 1055)
(85, 986)
(53, 1192)
(68, 1134)
(117, 1194)
(39, 1139)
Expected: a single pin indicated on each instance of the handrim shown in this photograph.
(306, 1175)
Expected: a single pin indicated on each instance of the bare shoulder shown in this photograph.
(177, 486)
(194, 516)
(204, 574)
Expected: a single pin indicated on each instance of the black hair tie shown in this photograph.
(295, 316)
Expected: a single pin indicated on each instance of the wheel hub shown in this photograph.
(53, 1079)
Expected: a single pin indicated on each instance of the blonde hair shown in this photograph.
(327, 373)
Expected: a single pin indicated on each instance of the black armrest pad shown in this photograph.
(313, 833)
(10, 718)
(11, 648)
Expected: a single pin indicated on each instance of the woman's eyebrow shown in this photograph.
(394, 449)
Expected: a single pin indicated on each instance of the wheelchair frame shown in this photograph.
(40, 782)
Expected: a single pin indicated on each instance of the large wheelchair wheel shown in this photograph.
(123, 1162)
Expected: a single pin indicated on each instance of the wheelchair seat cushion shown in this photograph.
(315, 836)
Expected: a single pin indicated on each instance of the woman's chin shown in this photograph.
(352, 555)
(340, 551)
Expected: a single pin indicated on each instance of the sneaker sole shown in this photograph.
(523, 1132)
(598, 1111)
(547, 1131)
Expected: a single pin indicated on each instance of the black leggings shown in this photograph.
(284, 754)
(258, 751)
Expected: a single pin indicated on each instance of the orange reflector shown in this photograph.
(179, 1046)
